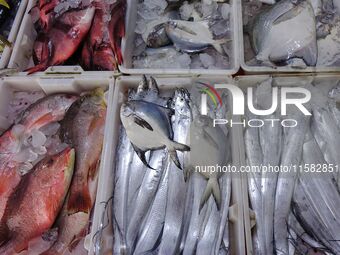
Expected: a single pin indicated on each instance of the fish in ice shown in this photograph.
(285, 31)
(192, 37)
(148, 127)
(83, 128)
(45, 187)
(43, 112)
(62, 40)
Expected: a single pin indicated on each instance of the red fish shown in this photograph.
(34, 206)
(63, 39)
(44, 111)
(46, 13)
(101, 50)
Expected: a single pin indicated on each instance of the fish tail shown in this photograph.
(212, 188)
(41, 67)
(174, 157)
(79, 200)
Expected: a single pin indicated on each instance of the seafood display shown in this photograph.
(163, 204)
(78, 32)
(297, 34)
(297, 206)
(48, 171)
(183, 35)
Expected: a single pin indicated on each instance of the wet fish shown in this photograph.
(62, 40)
(208, 150)
(46, 13)
(45, 187)
(291, 156)
(174, 217)
(192, 37)
(43, 112)
(148, 128)
(83, 128)
(276, 32)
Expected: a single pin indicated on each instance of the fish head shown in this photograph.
(181, 103)
(127, 110)
(46, 110)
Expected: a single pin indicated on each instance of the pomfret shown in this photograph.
(192, 37)
(285, 31)
(148, 128)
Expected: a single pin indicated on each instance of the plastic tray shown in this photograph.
(251, 81)
(50, 85)
(6, 54)
(21, 58)
(106, 178)
(128, 46)
(249, 69)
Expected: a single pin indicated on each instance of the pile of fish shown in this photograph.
(295, 33)
(294, 208)
(192, 34)
(8, 11)
(161, 203)
(48, 173)
(80, 32)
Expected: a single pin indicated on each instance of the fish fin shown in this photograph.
(309, 54)
(139, 121)
(218, 45)
(174, 157)
(141, 155)
(93, 169)
(41, 67)
(79, 200)
(180, 146)
(187, 173)
(153, 86)
(212, 188)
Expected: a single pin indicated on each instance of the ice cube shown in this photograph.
(38, 138)
(18, 130)
(50, 129)
(208, 8)
(196, 62)
(24, 168)
(225, 10)
(186, 10)
(207, 60)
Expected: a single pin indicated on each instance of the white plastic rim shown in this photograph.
(6, 54)
(106, 177)
(128, 45)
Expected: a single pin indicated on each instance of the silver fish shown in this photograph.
(192, 37)
(222, 240)
(291, 156)
(153, 226)
(208, 150)
(271, 144)
(173, 225)
(146, 194)
(285, 31)
(148, 128)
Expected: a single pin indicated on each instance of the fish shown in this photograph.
(132, 171)
(41, 113)
(146, 195)
(101, 50)
(46, 14)
(62, 40)
(148, 127)
(83, 128)
(174, 216)
(291, 156)
(153, 227)
(46, 187)
(192, 37)
(276, 31)
(208, 150)
(158, 37)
